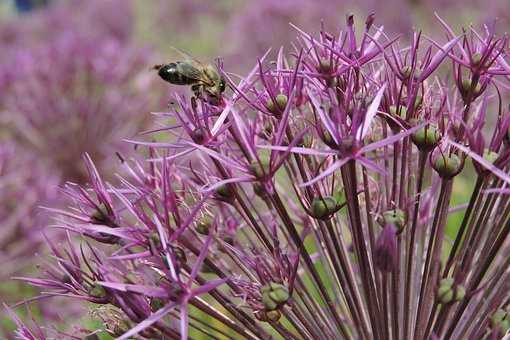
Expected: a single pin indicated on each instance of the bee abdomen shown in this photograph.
(170, 73)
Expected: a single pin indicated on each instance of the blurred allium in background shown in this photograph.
(72, 81)
(25, 183)
(312, 202)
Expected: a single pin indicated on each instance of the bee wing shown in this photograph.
(193, 72)
(188, 57)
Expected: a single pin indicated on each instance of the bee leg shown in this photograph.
(197, 90)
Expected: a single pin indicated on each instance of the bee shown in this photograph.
(202, 78)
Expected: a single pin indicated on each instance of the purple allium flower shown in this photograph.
(311, 202)
(61, 99)
(25, 183)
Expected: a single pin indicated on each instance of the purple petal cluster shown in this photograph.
(312, 201)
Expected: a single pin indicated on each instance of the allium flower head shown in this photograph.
(311, 202)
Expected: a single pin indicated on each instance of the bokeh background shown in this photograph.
(75, 77)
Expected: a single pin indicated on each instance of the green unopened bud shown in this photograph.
(476, 58)
(396, 217)
(323, 207)
(324, 66)
(406, 71)
(179, 254)
(97, 291)
(225, 193)
(100, 216)
(500, 321)
(274, 295)
(156, 304)
(447, 166)
(306, 141)
(490, 156)
(400, 111)
(268, 315)
(154, 239)
(203, 225)
(418, 101)
(426, 138)
(466, 87)
(120, 327)
(281, 103)
(199, 135)
(261, 168)
(450, 292)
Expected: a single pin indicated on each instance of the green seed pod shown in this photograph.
(97, 291)
(426, 138)
(396, 217)
(156, 304)
(490, 156)
(281, 103)
(324, 66)
(260, 169)
(180, 255)
(306, 141)
(400, 111)
(466, 87)
(203, 225)
(417, 102)
(154, 238)
(498, 316)
(406, 71)
(268, 316)
(445, 291)
(323, 207)
(274, 295)
(225, 193)
(449, 292)
(447, 166)
(199, 135)
(476, 58)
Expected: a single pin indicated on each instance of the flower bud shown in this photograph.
(400, 111)
(324, 66)
(97, 291)
(323, 207)
(199, 135)
(449, 292)
(268, 315)
(426, 138)
(500, 321)
(476, 58)
(100, 216)
(224, 193)
(417, 102)
(279, 107)
(406, 71)
(466, 87)
(385, 251)
(396, 217)
(154, 239)
(261, 168)
(448, 166)
(306, 141)
(203, 225)
(274, 295)
(490, 156)
(156, 304)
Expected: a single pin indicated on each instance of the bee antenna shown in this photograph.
(157, 67)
